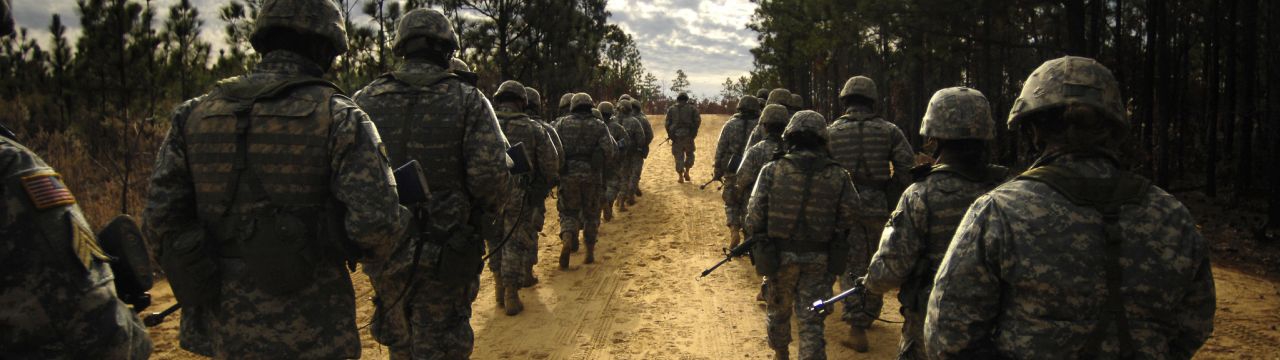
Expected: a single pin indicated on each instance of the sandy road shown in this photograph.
(642, 298)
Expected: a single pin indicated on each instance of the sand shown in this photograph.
(642, 299)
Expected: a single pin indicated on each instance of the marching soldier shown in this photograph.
(544, 183)
(587, 147)
(682, 126)
(615, 173)
(729, 153)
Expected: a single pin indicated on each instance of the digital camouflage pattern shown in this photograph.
(860, 86)
(803, 202)
(875, 152)
(1024, 275)
(958, 113)
(543, 183)
(616, 173)
(780, 97)
(587, 146)
(757, 156)
(55, 283)
(1067, 81)
(456, 65)
(796, 103)
(426, 113)
(429, 24)
(731, 145)
(311, 17)
(331, 152)
(512, 264)
(682, 123)
(635, 124)
(916, 238)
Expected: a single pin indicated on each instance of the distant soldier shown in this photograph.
(429, 114)
(634, 122)
(796, 104)
(56, 285)
(564, 106)
(587, 147)
(265, 189)
(1076, 258)
(762, 94)
(463, 71)
(730, 149)
(682, 125)
(615, 172)
(805, 206)
(958, 122)
(509, 261)
(643, 148)
(543, 182)
(878, 157)
(776, 97)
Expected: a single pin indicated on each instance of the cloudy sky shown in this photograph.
(708, 39)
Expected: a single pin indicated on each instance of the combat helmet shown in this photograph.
(958, 113)
(565, 99)
(580, 101)
(320, 18)
(684, 96)
(806, 121)
(779, 96)
(624, 106)
(748, 103)
(456, 64)
(1070, 80)
(533, 99)
(596, 112)
(426, 24)
(624, 97)
(638, 105)
(774, 114)
(512, 90)
(762, 94)
(797, 101)
(860, 86)
(605, 107)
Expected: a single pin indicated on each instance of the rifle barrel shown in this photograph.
(154, 319)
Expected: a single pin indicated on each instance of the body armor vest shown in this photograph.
(419, 119)
(521, 129)
(863, 148)
(580, 135)
(803, 199)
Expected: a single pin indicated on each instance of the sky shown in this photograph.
(707, 39)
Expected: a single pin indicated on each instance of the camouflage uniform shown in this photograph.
(615, 172)
(682, 125)
(757, 156)
(1076, 258)
(55, 283)
(731, 146)
(637, 167)
(919, 230)
(634, 123)
(430, 115)
(587, 147)
(805, 204)
(544, 183)
(878, 157)
(774, 97)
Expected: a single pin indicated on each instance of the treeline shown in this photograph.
(1203, 103)
(97, 106)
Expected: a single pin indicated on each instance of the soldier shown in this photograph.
(958, 121)
(508, 262)
(776, 97)
(430, 115)
(796, 104)
(564, 106)
(544, 183)
(463, 71)
(56, 288)
(805, 205)
(635, 145)
(643, 148)
(587, 147)
(615, 171)
(1077, 257)
(682, 125)
(878, 157)
(773, 120)
(729, 154)
(763, 94)
(263, 191)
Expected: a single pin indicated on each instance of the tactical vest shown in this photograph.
(803, 202)
(284, 126)
(682, 120)
(863, 149)
(580, 135)
(420, 118)
(520, 129)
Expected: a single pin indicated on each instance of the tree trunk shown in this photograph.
(1076, 42)
(1212, 92)
(1248, 101)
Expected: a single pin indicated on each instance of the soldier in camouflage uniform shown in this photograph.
(777, 96)
(543, 182)
(805, 204)
(615, 172)
(730, 150)
(509, 263)
(773, 120)
(796, 104)
(637, 145)
(763, 94)
(642, 148)
(272, 182)
(57, 296)
(682, 125)
(564, 106)
(587, 147)
(958, 121)
(879, 158)
(430, 115)
(1077, 257)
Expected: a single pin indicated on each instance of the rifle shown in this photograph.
(717, 178)
(824, 306)
(741, 250)
(154, 319)
(665, 141)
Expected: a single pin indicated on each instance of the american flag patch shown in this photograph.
(47, 190)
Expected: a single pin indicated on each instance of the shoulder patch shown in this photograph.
(46, 190)
(85, 243)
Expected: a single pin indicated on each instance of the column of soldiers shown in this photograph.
(1074, 258)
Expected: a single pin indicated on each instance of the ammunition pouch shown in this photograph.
(279, 256)
(194, 275)
(461, 256)
(766, 257)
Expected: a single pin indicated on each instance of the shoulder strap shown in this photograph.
(1106, 196)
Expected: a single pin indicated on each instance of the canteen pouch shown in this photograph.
(278, 257)
(766, 257)
(190, 264)
(461, 258)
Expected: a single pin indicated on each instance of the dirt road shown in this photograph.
(642, 298)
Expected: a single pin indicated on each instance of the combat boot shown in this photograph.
(622, 204)
(608, 211)
(686, 175)
(529, 280)
(498, 291)
(591, 254)
(638, 194)
(781, 354)
(564, 257)
(858, 339)
(512, 303)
